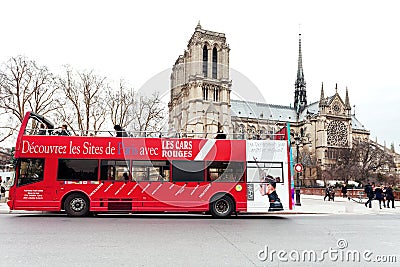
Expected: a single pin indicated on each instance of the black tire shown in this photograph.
(221, 207)
(76, 205)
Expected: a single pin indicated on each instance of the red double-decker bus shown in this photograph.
(92, 174)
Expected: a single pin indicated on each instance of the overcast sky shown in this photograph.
(351, 43)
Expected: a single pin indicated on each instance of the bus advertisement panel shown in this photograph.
(131, 148)
(267, 175)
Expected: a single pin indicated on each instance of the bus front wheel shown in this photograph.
(221, 207)
(76, 205)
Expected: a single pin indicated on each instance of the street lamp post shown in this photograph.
(299, 139)
(297, 189)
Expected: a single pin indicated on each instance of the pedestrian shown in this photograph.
(389, 196)
(379, 196)
(1, 187)
(344, 190)
(2, 190)
(332, 193)
(327, 192)
(120, 132)
(369, 191)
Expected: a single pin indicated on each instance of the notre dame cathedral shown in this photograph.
(201, 105)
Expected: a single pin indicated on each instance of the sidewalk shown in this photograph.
(310, 204)
(4, 209)
(3, 206)
(316, 204)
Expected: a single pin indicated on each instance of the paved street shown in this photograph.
(48, 239)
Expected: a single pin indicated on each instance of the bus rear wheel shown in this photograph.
(76, 205)
(222, 207)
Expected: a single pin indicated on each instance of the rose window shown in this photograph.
(337, 134)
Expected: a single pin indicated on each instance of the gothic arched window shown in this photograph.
(205, 93)
(205, 61)
(241, 129)
(263, 133)
(214, 63)
(216, 93)
(251, 131)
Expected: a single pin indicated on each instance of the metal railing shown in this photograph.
(156, 134)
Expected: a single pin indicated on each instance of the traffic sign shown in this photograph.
(298, 167)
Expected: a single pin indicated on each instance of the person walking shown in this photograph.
(379, 196)
(332, 193)
(389, 196)
(344, 190)
(369, 190)
(326, 193)
(1, 187)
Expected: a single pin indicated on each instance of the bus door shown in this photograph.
(31, 190)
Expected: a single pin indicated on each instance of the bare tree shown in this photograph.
(309, 162)
(346, 166)
(149, 114)
(371, 157)
(25, 86)
(360, 161)
(134, 111)
(121, 104)
(84, 107)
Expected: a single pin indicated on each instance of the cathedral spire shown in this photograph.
(347, 101)
(322, 100)
(300, 74)
(300, 94)
(198, 27)
(322, 92)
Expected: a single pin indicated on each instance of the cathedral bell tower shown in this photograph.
(300, 94)
(201, 87)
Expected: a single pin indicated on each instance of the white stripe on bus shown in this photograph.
(180, 190)
(108, 187)
(119, 189)
(155, 190)
(194, 190)
(95, 190)
(144, 189)
(205, 149)
(133, 188)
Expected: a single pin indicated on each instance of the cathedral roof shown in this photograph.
(262, 111)
(356, 124)
(311, 109)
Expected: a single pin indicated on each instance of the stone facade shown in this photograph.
(201, 87)
(200, 104)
